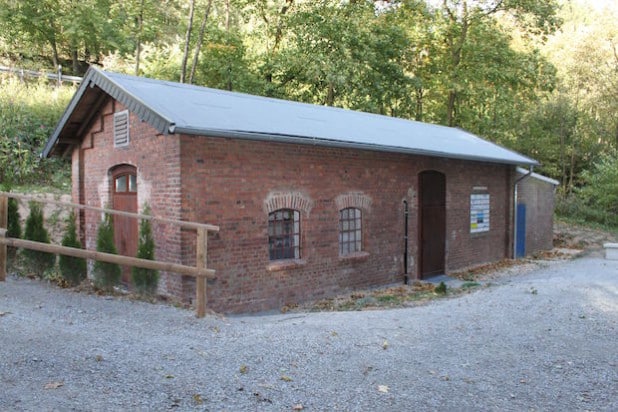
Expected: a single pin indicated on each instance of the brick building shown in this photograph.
(311, 200)
(535, 212)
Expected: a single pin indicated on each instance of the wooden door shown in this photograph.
(432, 208)
(124, 191)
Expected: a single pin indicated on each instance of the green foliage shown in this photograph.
(106, 275)
(28, 114)
(72, 269)
(37, 261)
(597, 200)
(14, 225)
(440, 289)
(144, 280)
(500, 69)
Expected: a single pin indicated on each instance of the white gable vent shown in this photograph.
(121, 128)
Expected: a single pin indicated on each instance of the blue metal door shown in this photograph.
(520, 248)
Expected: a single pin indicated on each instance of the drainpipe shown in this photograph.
(405, 242)
(515, 209)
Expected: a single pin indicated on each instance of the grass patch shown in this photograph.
(392, 297)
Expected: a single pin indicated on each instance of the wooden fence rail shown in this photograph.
(200, 271)
(58, 76)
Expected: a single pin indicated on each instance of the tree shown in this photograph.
(144, 280)
(106, 275)
(72, 269)
(35, 231)
(599, 193)
(459, 17)
(185, 55)
(342, 55)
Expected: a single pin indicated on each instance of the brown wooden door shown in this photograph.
(124, 190)
(432, 207)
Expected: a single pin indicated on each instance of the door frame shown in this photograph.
(421, 224)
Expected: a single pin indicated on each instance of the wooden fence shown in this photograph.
(200, 271)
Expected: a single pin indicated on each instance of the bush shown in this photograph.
(72, 269)
(144, 280)
(106, 275)
(597, 200)
(28, 113)
(36, 261)
(13, 227)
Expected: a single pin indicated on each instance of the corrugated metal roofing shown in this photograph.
(179, 108)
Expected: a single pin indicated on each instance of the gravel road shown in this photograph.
(544, 340)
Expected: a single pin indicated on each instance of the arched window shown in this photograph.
(350, 231)
(284, 234)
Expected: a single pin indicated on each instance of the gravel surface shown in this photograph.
(543, 340)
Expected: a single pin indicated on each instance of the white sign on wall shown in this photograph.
(479, 212)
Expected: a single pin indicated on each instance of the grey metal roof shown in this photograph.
(180, 108)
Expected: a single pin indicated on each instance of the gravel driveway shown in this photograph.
(546, 340)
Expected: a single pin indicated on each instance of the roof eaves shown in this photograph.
(132, 102)
(95, 77)
(238, 134)
(538, 176)
(51, 143)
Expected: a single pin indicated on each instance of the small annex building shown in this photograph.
(310, 200)
(534, 220)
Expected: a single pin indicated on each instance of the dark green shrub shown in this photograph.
(13, 227)
(440, 289)
(72, 269)
(37, 262)
(106, 275)
(144, 280)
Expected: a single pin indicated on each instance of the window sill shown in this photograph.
(286, 264)
(355, 256)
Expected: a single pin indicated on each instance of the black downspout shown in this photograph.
(405, 243)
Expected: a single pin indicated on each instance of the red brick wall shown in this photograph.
(235, 183)
(156, 158)
(228, 182)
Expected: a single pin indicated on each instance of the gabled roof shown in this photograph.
(180, 108)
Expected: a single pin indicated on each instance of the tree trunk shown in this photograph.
(330, 95)
(138, 37)
(54, 47)
(456, 48)
(200, 40)
(278, 37)
(75, 60)
(227, 32)
(418, 116)
(185, 56)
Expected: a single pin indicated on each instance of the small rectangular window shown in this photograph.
(132, 183)
(284, 234)
(121, 184)
(479, 212)
(121, 128)
(350, 233)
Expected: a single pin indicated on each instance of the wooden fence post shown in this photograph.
(4, 219)
(200, 263)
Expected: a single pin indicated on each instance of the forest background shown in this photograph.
(537, 76)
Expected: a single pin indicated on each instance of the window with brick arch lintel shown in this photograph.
(350, 231)
(284, 234)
